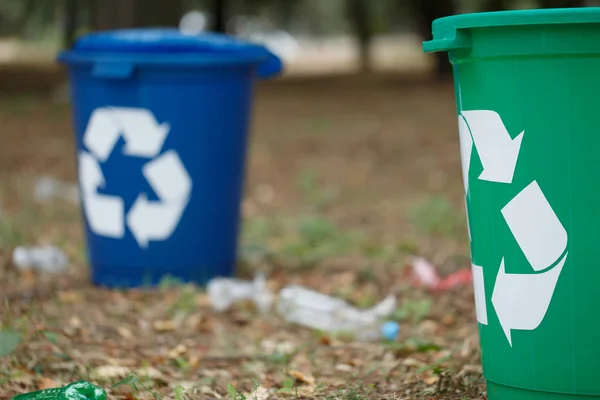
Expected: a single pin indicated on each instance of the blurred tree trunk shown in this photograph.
(28, 11)
(112, 14)
(158, 13)
(426, 12)
(286, 10)
(219, 11)
(561, 3)
(496, 5)
(71, 20)
(117, 14)
(358, 13)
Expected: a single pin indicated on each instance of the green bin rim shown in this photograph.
(447, 30)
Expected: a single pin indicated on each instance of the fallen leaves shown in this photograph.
(47, 383)
(164, 326)
(302, 377)
(109, 372)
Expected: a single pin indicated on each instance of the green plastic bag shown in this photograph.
(80, 390)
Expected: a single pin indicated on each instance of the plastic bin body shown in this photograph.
(161, 123)
(527, 88)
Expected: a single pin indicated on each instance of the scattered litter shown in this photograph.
(425, 274)
(74, 391)
(41, 258)
(47, 189)
(390, 330)
(224, 292)
(461, 277)
(318, 311)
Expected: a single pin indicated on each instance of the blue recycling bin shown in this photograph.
(161, 123)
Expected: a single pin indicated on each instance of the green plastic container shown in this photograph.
(527, 89)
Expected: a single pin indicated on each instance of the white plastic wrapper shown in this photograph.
(42, 258)
(318, 311)
(224, 292)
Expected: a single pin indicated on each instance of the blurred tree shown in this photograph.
(499, 5)
(71, 8)
(163, 13)
(426, 12)
(220, 13)
(358, 13)
(561, 3)
(112, 14)
(495, 5)
(115, 14)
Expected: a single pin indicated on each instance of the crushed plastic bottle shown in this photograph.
(318, 311)
(41, 258)
(47, 189)
(224, 292)
(81, 390)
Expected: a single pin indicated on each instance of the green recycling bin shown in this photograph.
(527, 87)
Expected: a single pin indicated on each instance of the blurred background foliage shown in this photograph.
(60, 21)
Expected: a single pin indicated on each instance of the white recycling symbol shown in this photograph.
(144, 137)
(520, 300)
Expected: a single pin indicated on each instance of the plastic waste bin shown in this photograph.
(526, 85)
(161, 121)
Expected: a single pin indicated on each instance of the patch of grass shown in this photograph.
(412, 345)
(12, 232)
(20, 105)
(360, 392)
(9, 341)
(186, 300)
(179, 392)
(413, 310)
(233, 394)
(316, 238)
(315, 195)
(437, 368)
(436, 216)
(133, 381)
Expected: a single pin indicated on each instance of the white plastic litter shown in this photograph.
(318, 311)
(224, 292)
(47, 189)
(42, 258)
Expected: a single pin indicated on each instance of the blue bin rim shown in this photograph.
(165, 46)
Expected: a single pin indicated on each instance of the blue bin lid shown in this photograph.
(204, 48)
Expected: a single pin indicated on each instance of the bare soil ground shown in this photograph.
(348, 178)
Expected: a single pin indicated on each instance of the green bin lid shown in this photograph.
(447, 31)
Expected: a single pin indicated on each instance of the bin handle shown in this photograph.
(113, 70)
(456, 40)
(270, 67)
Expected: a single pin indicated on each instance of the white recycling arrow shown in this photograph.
(522, 300)
(104, 213)
(479, 291)
(154, 220)
(157, 220)
(103, 131)
(143, 136)
(497, 150)
(168, 177)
